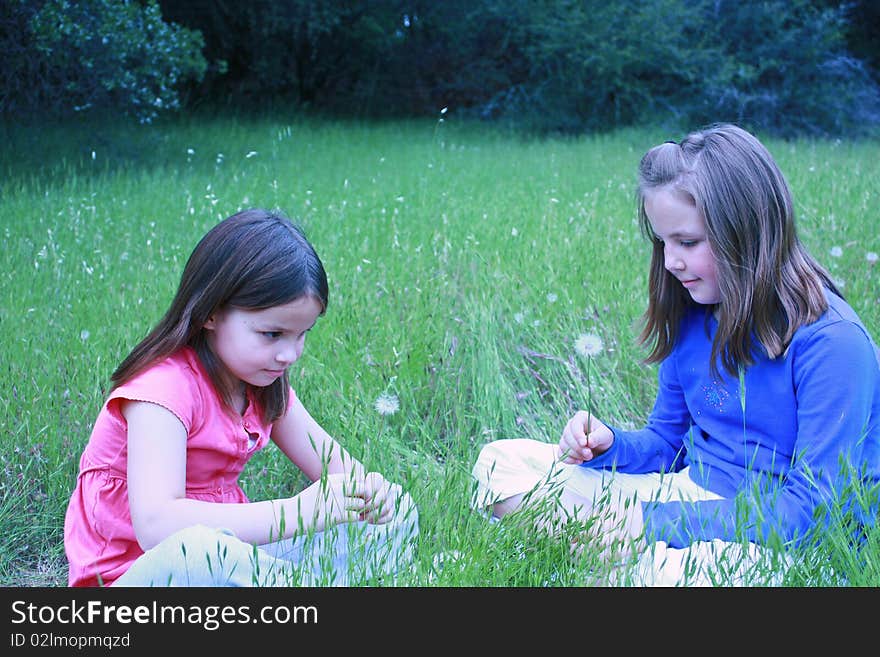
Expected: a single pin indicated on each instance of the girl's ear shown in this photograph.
(215, 317)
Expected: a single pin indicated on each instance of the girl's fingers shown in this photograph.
(378, 516)
(382, 506)
(354, 488)
(563, 449)
(356, 504)
(571, 445)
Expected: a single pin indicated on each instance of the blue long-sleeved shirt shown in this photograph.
(783, 433)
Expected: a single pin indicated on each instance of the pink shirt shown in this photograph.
(98, 535)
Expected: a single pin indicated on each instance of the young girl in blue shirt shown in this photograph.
(769, 386)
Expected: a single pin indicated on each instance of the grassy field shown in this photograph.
(463, 265)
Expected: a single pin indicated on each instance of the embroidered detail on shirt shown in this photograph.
(715, 396)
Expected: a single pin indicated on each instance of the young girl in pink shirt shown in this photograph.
(157, 500)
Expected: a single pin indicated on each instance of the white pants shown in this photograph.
(511, 467)
(344, 554)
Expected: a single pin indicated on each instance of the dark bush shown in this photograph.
(93, 55)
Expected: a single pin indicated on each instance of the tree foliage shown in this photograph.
(778, 65)
(782, 66)
(786, 68)
(95, 54)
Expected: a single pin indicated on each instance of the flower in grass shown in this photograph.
(387, 404)
(588, 345)
(871, 257)
(836, 252)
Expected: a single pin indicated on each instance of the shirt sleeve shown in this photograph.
(835, 381)
(659, 446)
(169, 384)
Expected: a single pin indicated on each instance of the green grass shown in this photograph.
(463, 263)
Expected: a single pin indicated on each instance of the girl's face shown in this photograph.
(257, 346)
(678, 224)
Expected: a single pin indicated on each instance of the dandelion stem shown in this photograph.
(589, 396)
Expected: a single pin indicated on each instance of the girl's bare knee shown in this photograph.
(507, 505)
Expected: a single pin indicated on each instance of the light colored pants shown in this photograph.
(343, 555)
(511, 467)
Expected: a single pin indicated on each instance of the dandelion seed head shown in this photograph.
(387, 404)
(518, 318)
(871, 257)
(836, 252)
(552, 297)
(84, 335)
(588, 345)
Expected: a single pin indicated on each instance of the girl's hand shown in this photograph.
(331, 500)
(580, 442)
(381, 498)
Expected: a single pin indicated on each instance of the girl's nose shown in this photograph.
(287, 356)
(673, 262)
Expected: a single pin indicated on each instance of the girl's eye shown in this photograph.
(688, 243)
(272, 335)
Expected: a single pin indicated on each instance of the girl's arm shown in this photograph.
(835, 385)
(312, 449)
(309, 446)
(157, 489)
(659, 445)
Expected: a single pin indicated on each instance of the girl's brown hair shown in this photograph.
(770, 286)
(254, 259)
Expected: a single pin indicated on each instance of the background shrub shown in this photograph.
(68, 57)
